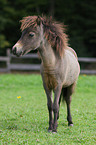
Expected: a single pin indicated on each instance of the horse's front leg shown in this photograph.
(50, 107)
(57, 93)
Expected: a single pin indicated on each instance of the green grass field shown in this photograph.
(24, 114)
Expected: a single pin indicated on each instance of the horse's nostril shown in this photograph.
(14, 50)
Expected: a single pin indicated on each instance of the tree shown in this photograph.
(3, 42)
(79, 16)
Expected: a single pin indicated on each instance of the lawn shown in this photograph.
(24, 114)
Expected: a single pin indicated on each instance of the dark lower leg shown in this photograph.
(50, 107)
(59, 108)
(57, 93)
(68, 93)
(58, 115)
(55, 110)
(50, 120)
(69, 118)
(55, 122)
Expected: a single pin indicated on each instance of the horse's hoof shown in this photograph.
(70, 125)
(54, 132)
(49, 130)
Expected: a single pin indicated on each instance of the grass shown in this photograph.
(24, 119)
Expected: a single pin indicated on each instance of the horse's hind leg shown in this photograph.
(59, 107)
(67, 92)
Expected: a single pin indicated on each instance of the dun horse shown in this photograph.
(59, 68)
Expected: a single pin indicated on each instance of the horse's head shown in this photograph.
(35, 30)
(31, 37)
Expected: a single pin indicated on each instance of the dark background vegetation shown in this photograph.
(78, 15)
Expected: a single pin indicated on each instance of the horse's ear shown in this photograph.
(50, 18)
(38, 20)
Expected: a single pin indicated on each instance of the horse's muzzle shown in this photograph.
(16, 52)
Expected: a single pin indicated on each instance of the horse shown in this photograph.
(59, 64)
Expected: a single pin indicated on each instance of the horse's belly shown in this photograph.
(72, 75)
(72, 71)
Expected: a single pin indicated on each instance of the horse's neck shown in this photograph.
(47, 55)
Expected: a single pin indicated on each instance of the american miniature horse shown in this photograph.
(59, 68)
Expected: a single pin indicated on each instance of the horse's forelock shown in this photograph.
(26, 22)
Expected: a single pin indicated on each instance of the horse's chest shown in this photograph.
(50, 81)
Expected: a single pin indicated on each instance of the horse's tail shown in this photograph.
(67, 92)
(62, 95)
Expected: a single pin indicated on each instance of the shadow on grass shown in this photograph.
(22, 125)
(15, 124)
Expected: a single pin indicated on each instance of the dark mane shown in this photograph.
(53, 31)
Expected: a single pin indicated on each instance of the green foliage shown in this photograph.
(24, 120)
(79, 16)
(3, 42)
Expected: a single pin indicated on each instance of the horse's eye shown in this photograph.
(31, 34)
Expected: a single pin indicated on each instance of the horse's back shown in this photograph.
(72, 51)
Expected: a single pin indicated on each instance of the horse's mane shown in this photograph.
(53, 31)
